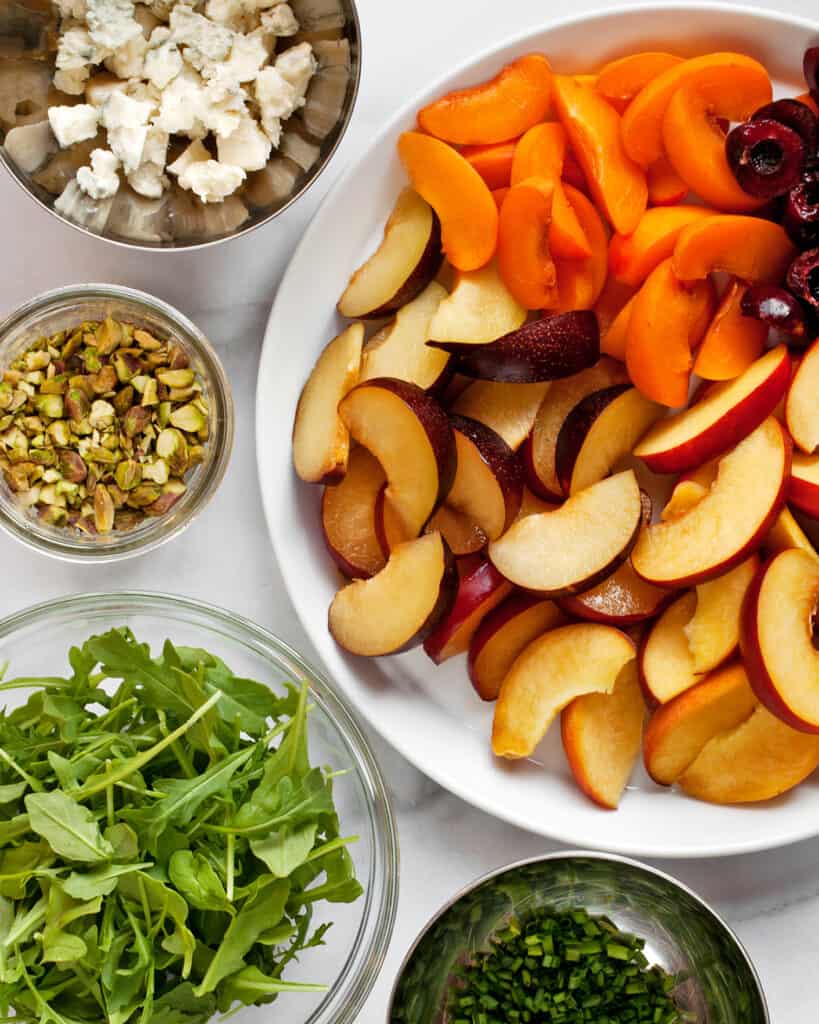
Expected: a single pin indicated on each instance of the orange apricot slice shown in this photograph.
(668, 319)
(457, 193)
(499, 194)
(493, 162)
(755, 250)
(633, 257)
(733, 341)
(617, 184)
(573, 173)
(494, 111)
(614, 339)
(524, 260)
(580, 282)
(614, 296)
(665, 186)
(620, 80)
(694, 139)
(642, 124)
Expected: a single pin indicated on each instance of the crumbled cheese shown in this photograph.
(182, 101)
(149, 178)
(297, 66)
(72, 81)
(76, 49)
(195, 153)
(75, 9)
(276, 99)
(280, 21)
(247, 56)
(126, 120)
(230, 13)
(146, 19)
(163, 61)
(100, 180)
(223, 104)
(203, 42)
(73, 124)
(129, 59)
(210, 180)
(247, 147)
(99, 88)
(111, 23)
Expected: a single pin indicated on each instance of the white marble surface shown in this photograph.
(771, 899)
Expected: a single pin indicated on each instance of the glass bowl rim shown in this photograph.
(703, 908)
(216, 464)
(371, 952)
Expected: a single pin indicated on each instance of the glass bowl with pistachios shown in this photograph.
(116, 422)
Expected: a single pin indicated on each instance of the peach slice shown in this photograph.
(348, 517)
(531, 504)
(758, 760)
(623, 599)
(398, 607)
(488, 484)
(576, 546)
(729, 523)
(457, 193)
(618, 185)
(620, 80)
(580, 282)
(479, 591)
(565, 663)
(503, 634)
(665, 186)
(713, 630)
(677, 731)
(479, 309)
(321, 443)
(686, 493)
(492, 162)
(719, 420)
(524, 259)
(633, 257)
(614, 341)
(787, 533)
(540, 450)
(667, 321)
(509, 409)
(494, 111)
(642, 126)
(755, 250)
(664, 658)
(601, 736)
(463, 536)
(802, 405)
(404, 263)
(733, 341)
(410, 435)
(400, 349)
(601, 430)
(779, 638)
(613, 299)
(803, 486)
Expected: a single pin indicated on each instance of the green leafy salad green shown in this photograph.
(163, 841)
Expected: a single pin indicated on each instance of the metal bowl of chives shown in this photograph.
(715, 981)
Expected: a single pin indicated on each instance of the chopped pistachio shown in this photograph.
(123, 400)
(146, 341)
(126, 366)
(157, 471)
(150, 394)
(103, 510)
(53, 515)
(128, 474)
(108, 336)
(105, 381)
(144, 495)
(50, 406)
(188, 418)
(77, 405)
(102, 414)
(71, 466)
(135, 420)
(177, 358)
(91, 360)
(176, 378)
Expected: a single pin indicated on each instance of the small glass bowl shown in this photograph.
(36, 642)
(66, 307)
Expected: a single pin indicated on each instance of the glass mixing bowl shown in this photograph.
(36, 642)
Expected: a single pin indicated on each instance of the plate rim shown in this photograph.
(452, 783)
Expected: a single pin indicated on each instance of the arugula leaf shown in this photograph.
(196, 880)
(285, 849)
(99, 881)
(69, 828)
(288, 804)
(13, 791)
(250, 987)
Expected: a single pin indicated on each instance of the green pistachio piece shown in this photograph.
(50, 406)
(188, 418)
(136, 420)
(103, 509)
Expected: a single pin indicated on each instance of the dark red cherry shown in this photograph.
(810, 67)
(776, 308)
(803, 277)
(766, 157)
(795, 115)
(801, 215)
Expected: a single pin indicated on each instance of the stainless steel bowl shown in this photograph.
(179, 220)
(685, 937)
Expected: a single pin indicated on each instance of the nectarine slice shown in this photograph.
(400, 349)
(614, 340)
(463, 536)
(494, 111)
(565, 663)
(719, 420)
(755, 250)
(665, 186)
(321, 442)
(509, 409)
(457, 193)
(713, 630)
(612, 300)
(620, 80)
(729, 523)
(642, 127)
(404, 263)
(524, 260)
(348, 517)
(677, 732)
(479, 309)
(601, 735)
(577, 545)
(488, 484)
(622, 599)
(685, 494)
(665, 662)
(503, 634)
(779, 638)
(399, 606)
(479, 591)
(732, 341)
(410, 435)
(580, 282)
(593, 127)
(633, 257)
(787, 533)
(492, 162)
(667, 320)
(803, 486)
(802, 405)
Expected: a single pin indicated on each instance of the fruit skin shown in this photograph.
(776, 308)
(479, 592)
(767, 158)
(733, 341)
(622, 599)
(756, 251)
(803, 486)
(801, 216)
(361, 487)
(524, 258)
(795, 115)
(548, 349)
(503, 464)
(803, 278)
(810, 65)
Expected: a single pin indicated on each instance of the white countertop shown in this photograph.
(771, 899)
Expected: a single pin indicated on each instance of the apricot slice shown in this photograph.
(633, 257)
(494, 111)
(617, 184)
(580, 282)
(573, 173)
(668, 319)
(524, 259)
(757, 251)
(614, 340)
(499, 194)
(733, 341)
(493, 162)
(665, 186)
(620, 80)
(642, 124)
(695, 142)
(613, 298)
(457, 193)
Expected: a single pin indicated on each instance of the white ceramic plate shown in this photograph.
(431, 715)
